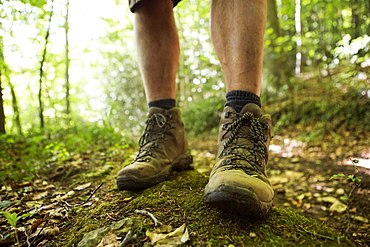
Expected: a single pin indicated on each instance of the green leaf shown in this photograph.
(11, 218)
(336, 175)
(5, 204)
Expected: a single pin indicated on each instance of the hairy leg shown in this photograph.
(157, 48)
(237, 28)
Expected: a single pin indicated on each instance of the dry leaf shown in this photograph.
(109, 240)
(48, 231)
(38, 196)
(36, 223)
(82, 186)
(360, 218)
(163, 229)
(175, 238)
(126, 199)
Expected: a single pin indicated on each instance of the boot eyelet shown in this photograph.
(147, 160)
(227, 114)
(224, 127)
(172, 126)
(170, 116)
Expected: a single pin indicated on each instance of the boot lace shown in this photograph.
(154, 131)
(249, 158)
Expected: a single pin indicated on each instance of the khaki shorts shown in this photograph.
(134, 3)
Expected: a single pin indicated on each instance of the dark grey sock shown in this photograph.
(237, 99)
(163, 103)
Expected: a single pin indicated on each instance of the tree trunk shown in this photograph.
(356, 19)
(68, 110)
(17, 118)
(277, 64)
(2, 115)
(41, 71)
(2, 72)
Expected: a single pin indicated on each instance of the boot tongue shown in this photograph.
(253, 108)
(156, 110)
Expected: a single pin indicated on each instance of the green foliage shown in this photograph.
(354, 181)
(35, 3)
(21, 158)
(202, 117)
(13, 218)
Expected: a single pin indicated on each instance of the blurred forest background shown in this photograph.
(69, 66)
(68, 63)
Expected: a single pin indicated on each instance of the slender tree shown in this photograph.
(5, 74)
(17, 118)
(2, 115)
(41, 71)
(68, 110)
(277, 62)
(2, 69)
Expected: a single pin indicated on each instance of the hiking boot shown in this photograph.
(162, 148)
(238, 181)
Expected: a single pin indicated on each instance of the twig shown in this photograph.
(318, 235)
(146, 213)
(27, 238)
(127, 239)
(42, 228)
(80, 204)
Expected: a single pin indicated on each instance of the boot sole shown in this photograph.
(237, 200)
(182, 162)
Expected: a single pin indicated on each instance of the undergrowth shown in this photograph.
(22, 157)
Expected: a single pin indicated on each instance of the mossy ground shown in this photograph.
(179, 201)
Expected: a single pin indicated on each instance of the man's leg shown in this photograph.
(238, 181)
(158, 49)
(238, 28)
(162, 146)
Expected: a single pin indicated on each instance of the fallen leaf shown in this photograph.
(177, 237)
(360, 218)
(109, 240)
(127, 199)
(36, 223)
(338, 207)
(38, 196)
(48, 231)
(163, 229)
(34, 204)
(82, 186)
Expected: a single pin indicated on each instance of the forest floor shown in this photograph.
(301, 174)
(74, 192)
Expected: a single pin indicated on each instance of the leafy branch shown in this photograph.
(13, 220)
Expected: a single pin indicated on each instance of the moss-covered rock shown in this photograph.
(179, 201)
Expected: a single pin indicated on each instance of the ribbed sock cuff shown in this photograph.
(163, 103)
(237, 99)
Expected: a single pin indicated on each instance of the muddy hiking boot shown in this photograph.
(162, 148)
(238, 181)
